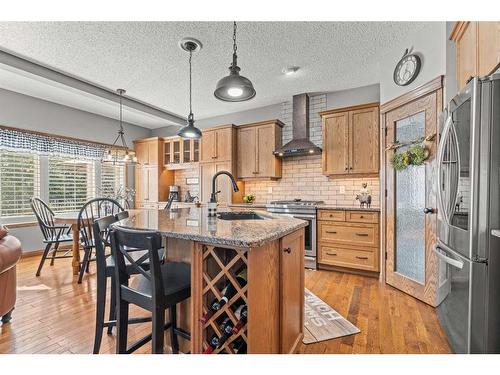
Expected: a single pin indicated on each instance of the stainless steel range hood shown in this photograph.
(300, 143)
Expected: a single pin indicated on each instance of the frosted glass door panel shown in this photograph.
(410, 203)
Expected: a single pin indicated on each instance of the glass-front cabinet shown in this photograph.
(181, 151)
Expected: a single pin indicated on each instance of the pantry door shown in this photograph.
(410, 204)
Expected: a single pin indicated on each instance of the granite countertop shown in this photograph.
(326, 206)
(195, 225)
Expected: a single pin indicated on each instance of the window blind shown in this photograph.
(71, 183)
(112, 180)
(19, 181)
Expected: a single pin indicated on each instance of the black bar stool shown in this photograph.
(157, 287)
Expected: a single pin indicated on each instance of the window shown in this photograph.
(65, 173)
(19, 181)
(112, 180)
(71, 183)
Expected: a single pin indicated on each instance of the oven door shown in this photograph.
(457, 171)
(310, 239)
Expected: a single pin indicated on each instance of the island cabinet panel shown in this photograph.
(255, 146)
(351, 141)
(268, 280)
(349, 240)
(292, 291)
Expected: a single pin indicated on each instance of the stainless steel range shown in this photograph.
(305, 210)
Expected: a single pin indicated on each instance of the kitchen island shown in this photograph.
(267, 248)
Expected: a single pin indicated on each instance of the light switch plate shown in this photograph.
(341, 189)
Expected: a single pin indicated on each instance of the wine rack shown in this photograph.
(221, 266)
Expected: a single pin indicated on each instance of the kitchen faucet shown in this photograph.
(212, 204)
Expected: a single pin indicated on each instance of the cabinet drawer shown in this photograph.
(147, 205)
(362, 217)
(349, 233)
(331, 215)
(351, 258)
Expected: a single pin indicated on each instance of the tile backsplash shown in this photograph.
(180, 179)
(303, 178)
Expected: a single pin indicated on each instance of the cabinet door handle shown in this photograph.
(333, 254)
(287, 250)
(362, 234)
(362, 258)
(331, 231)
(346, 167)
(255, 172)
(361, 217)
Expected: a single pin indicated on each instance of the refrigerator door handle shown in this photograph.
(441, 146)
(454, 262)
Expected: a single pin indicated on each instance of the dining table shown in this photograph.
(71, 219)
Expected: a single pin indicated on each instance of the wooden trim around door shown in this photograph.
(417, 93)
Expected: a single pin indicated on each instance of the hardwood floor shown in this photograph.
(390, 320)
(56, 315)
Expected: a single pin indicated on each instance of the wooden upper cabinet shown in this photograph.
(363, 141)
(217, 144)
(351, 140)
(488, 34)
(180, 151)
(335, 143)
(256, 144)
(147, 151)
(477, 49)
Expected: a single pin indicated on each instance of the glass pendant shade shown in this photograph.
(190, 131)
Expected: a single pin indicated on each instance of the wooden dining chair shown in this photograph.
(92, 210)
(53, 235)
(155, 288)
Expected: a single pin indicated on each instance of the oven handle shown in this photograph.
(454, 262)
(307, 217)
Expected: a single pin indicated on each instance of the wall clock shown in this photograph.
(407, 69)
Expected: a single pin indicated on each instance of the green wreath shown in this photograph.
(414, 155)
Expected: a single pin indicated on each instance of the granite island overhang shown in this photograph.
(267, 249)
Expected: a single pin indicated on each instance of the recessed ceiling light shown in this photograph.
(290, 70)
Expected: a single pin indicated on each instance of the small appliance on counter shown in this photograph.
(174, 192)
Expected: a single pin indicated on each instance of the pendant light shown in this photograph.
(113, 154)
(190, 131)
(234, 88)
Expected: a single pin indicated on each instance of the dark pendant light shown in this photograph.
(113, 154)
(190, 131)
(234, 88)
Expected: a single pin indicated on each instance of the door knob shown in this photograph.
(428, 210)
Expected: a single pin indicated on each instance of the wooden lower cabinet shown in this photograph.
(349, 240)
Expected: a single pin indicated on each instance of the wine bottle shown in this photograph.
(227, 293)
(212, 308)
(213, 343)
(241, 314)
(229, 290)
(239, 346)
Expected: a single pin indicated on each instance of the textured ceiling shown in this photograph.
(144, 57)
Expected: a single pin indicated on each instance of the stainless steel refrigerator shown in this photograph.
(468, 214)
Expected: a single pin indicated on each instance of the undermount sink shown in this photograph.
(244, 215)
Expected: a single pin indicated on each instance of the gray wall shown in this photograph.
(26, 112)
(269, 112)
(430, 43)
(347, 98)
